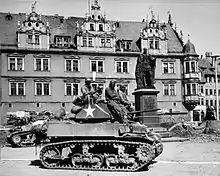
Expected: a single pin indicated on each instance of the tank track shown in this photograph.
(100, 155)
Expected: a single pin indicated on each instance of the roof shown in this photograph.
(189, 48)
(127, 30)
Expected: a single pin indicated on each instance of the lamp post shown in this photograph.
(216, 86)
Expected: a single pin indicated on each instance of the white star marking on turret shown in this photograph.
(89, 111)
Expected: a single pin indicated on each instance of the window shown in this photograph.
(168, 67)
(151, 44)
(71, 89)
(105, 42)
(191, 66)
(187, 67)
(15, 63)
(169, 89)
(16, 88)
(211, 92)
(211, 102)
(92, 27)
(122, 66)
(42, 88)
(201, 89)
(63, 41)
(102, 42)
(206, 91)
(207, 102)
(97, 66)
(84, 41)
(101, 27)
(166, 89)
(37, 40)
(72, 65)
(156, 44)
(42, 64)
(172, 89)
(30, 39)
(90, 42)
(202, 101)
(193, 89)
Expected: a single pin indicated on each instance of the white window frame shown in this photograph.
(169, 89)
(16, 63)
(168, 65)
(42, 83)
(122, 69)
(72, 65)
(190, 66)
(190, 93)
(41, 69)
(65, 87)
(9, 86)
(97, 65)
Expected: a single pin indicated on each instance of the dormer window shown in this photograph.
(156, 44)
(101, 27)
(62, 41)
(92, 28)
(105, 42)
(151, 42)
(30, 39)
(37, 41)
(90, 42)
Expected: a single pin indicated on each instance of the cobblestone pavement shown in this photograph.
(180, 158)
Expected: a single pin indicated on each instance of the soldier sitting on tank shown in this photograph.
(78, 105)
(118, 110)
(87, 90)
(124, 99)
(97, 96)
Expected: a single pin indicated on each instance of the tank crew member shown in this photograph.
(118, 110)
(87, 90)
(97, 96)
(78, 105)
(124, 99)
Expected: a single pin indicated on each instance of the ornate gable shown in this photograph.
(33, 32)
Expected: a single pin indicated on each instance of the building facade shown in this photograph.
(46, 59)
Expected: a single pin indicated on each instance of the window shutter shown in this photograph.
(50, 88)
(103, 63)
(9, 88)
(35, 88)
(65, 89)
(35, 67)
(8, 63)
(22, 63)
(48, 64)
(24, 88)
(79, 65)
(65, 65)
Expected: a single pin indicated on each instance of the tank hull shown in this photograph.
(99, 146)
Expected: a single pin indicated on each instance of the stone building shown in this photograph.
(45, 59)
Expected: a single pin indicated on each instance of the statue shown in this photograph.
(145, 71)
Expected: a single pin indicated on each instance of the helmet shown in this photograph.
(88, 80)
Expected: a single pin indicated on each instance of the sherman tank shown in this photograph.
(94, 141)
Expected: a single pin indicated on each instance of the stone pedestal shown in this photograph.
(146, 99)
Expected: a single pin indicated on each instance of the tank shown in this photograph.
(94, 141)
(29, 134)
